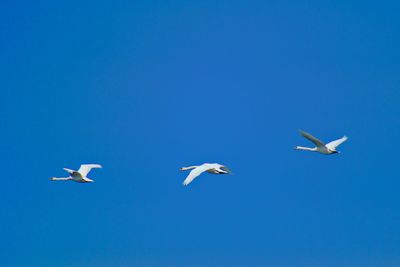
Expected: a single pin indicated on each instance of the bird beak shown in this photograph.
(228, 171)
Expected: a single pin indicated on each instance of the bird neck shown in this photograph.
(306, 148)
(61, 179)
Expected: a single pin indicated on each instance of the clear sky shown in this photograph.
(146, 87)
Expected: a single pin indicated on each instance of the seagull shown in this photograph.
(329, 148)
(80, 175)
(213, 168)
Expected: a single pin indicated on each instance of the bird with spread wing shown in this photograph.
(321, 147)
(80, 175)
(213, 168)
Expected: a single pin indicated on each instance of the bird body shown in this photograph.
(213, 168)
(80, 175)
(321, 147)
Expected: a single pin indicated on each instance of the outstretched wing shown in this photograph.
(316, 141)
(196, 172)
(334, 144)
(85, 168)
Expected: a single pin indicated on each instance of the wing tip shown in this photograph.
(92, 164)
(303, 133)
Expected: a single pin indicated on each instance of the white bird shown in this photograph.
(213, 168)
(321, 147)
(80, 175)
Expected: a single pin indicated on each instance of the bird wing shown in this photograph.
(85, 168)
(316, 141)
(196, 172)
(334, 144)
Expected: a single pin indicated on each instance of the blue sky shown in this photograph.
(145, 87)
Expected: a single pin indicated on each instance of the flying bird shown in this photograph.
(321, 147)
(213, 168)
(80, 175)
